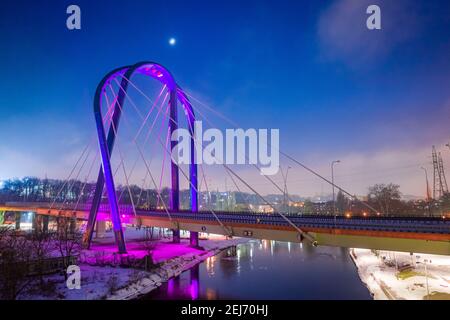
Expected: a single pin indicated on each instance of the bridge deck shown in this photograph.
(413, 234)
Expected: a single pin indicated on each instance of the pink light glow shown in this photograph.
(171, 286)
(193, 289)
(155, 72)
(163, 250)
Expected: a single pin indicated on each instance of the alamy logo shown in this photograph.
(374, 20)
(73, 21)
(74, 277)
(239, 146)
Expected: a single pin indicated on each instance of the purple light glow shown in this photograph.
(193, 289)
(171, 287)
(163, 251)
(163, 75)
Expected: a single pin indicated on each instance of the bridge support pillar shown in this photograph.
(45, 220)
(18, 216)
(193, 239)
(35, 220)
(38, 222)
(73, 225)
(100, 229)
(176, 235)
(232, 251)
(58, 224)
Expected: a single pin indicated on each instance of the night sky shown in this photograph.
(376, 100)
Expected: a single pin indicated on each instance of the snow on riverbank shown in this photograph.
(386, 282)
(107, 282)
(174, 267)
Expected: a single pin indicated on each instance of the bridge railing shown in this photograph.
(395, 224)
(104, 207)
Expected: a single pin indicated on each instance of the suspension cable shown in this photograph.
(151, 176)
(78, 160)
(135, 163)
(181, 169)
(294, 160)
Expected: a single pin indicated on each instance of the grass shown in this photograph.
(409, 273)
(437, 296)
(405, 274)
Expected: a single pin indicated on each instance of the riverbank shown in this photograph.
(173, 267)
(102, 281)
(401, 276)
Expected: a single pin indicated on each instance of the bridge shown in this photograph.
(426, 235)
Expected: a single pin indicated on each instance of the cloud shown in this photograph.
(343, 35)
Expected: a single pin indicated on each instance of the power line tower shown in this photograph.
(436, 176)
(442, 174)
(439, 181)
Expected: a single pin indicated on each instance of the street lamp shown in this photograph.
(332, 183)
(286, 200)
(426, 277)
(428, 189)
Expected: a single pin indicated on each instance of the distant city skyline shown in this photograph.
(376, 100)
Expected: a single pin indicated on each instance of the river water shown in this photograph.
(263, 269)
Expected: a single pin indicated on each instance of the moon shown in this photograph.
(172, 41)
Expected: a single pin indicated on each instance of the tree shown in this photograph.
(444, 202)
(342, 202)
(69, 244)
(15, 255)
(149, 246)
(41, 246)
(386, 198)
(308, 207)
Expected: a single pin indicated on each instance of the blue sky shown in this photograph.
(377, 100)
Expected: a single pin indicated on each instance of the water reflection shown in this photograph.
(183, 287)
(264, 269)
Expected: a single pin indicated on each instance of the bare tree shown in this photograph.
(149, 246)
(69, 244)
(15, 255)
(385, 197)
(42, 246)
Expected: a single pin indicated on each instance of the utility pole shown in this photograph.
(332, 184)
(428, 198)
(442, 174)
(427, 185)
(439, 181)
(285, 191)
(425, 261)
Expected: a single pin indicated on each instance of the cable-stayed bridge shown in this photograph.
(112, 100)
(426, 235)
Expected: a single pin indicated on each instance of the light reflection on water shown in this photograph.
(265, 269)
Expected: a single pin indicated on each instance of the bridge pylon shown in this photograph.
(106, 144)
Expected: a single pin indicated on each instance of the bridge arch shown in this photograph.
(106, 144)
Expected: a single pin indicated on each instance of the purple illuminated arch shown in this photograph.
(106, 144)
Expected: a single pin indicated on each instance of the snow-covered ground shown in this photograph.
(385, 281)
(108, 282)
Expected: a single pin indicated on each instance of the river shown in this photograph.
(262, 269)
